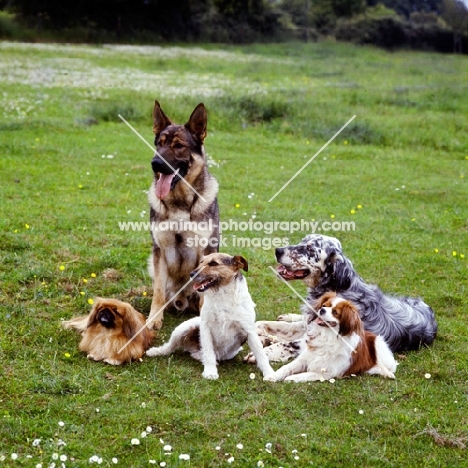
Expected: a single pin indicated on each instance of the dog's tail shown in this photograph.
(78, 323)
(163, 350)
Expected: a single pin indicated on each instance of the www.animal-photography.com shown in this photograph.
(233, 234)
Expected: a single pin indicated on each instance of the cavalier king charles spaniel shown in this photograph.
(336, 345)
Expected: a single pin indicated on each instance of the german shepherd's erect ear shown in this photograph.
(160, 120)
(197, 123)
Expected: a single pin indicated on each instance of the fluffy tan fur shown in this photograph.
(103, 343)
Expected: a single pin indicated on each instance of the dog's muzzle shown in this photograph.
(180, 303)
(279, 253)
(168, 177)
(106, 318)
(160, 166)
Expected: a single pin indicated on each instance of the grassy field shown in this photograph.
(71, 171)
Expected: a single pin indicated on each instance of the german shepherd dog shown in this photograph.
(184, 211)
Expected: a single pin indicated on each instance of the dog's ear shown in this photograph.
(333, 256)
(349, 319)
(240, 262)
(130, 324)
(160, 120)
(94, 311)
(197, 123)
(324, 299)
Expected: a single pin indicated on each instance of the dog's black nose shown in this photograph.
(322, 311)
(159, 165)
(106, 318)
(193, 273)
(279, 253)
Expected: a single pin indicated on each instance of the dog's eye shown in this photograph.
(212, 264)
(178, 145)
(335, 313)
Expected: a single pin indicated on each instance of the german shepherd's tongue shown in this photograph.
(163, 185)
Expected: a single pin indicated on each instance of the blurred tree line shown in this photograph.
(436, 24)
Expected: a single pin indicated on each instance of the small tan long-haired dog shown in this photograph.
(110, 332)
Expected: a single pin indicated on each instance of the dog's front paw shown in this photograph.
(271, 377)
(113, 362)
(250, 359)
(210, 374)
(154, 324)
(289, 318)
(266, 340)
(154, 351)
(291, 378)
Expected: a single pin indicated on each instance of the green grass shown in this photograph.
(404, 159)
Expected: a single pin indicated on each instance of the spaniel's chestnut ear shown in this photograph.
(324, 299)
(350, 322)
(240, 262)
